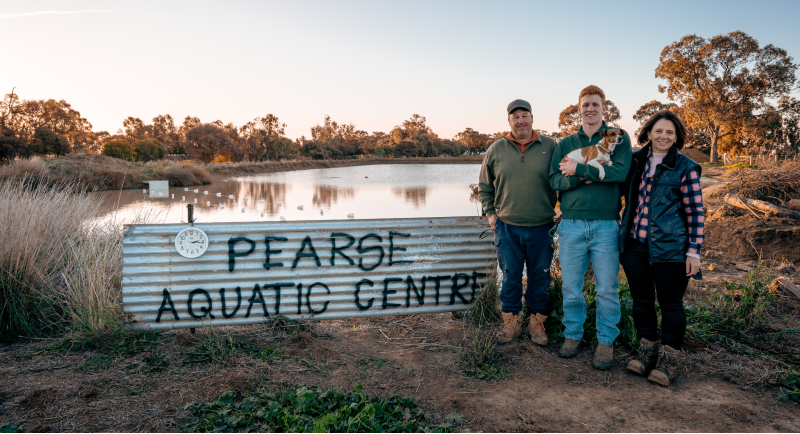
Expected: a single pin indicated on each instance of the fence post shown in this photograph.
(751, 160)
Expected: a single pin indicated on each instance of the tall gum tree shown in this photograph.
(722, 81)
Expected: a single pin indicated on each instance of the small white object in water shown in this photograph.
(320, 212)
(300, 207)
(208, 203)
(280, 204)
(244, 198)
(173, 196)
(222, 207)
(283, 219)
(242, 209)
(261, 201)
(230, 196)
(262, 213)
(144, 190)
(219, 194)
(205, 192)
(185, 189)
(195, 200)
(196, 190)
(350, 215)
(183, 198)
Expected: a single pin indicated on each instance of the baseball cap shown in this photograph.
(519, 103)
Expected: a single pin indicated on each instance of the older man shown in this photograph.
(516, 195)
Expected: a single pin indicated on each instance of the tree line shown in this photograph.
(732, 93)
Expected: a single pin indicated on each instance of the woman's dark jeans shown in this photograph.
(668, 281)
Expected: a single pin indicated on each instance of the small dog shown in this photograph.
(599, 154)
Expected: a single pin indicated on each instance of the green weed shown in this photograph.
(218, 348)
(96, 364)
(9, 427)
(555, 329)
(371, 363)
(118, 342)
(736, 312)
(288, 326)
(312, 409)
(486, 308)
(481, 359)
(269, 353)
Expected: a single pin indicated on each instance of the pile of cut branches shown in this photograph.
(774, 183)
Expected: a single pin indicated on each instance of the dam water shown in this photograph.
(360, 192)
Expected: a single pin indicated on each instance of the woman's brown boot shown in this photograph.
(647, 359)
(666, 371)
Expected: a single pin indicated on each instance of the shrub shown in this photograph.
(481, 359)
(148, 150)
(119, 149)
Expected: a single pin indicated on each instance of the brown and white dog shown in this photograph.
(599, 154)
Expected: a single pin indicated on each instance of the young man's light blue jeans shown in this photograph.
(581, 241)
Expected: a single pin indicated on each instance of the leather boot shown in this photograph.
(666, 370)
(603, 357)
(512, 328)
(569, 348)
(647, 359)
(536, 329)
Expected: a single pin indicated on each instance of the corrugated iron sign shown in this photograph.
(321, 269)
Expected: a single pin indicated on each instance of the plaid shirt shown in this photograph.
(692, 202)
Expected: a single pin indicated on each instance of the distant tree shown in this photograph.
(119, 148)
(207, 141)
(612, 115)
(149, 150)
(722, 81)
(264, 139)
(46, 142)
(165, 131)
(474, 142)
(569, 120)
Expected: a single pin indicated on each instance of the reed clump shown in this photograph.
(60, 266)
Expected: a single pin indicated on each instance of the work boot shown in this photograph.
(536, 329)
(512, 328)
(647, 358)
(603, 357)
(666, 370)
(569, 348)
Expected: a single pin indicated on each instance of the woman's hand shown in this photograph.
(493, 220)
(692, 265)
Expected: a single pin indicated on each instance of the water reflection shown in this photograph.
(368, 192)
(415, 195)
(327, 195)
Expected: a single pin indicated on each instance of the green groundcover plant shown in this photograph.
(312, 409)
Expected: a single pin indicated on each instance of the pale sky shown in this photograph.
(371, 63)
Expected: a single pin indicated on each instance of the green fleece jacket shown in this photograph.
(599, 200)
(514, 185)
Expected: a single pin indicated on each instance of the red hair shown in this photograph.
(592, 90)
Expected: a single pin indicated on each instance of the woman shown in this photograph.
(660, 238)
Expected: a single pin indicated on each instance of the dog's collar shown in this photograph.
(605, 149)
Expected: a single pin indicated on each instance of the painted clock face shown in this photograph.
(191, 242)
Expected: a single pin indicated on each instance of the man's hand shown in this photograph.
(692, 266)
(492, 220)
(568, 168)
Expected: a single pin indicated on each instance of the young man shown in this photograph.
(589, 229)
(516, 195)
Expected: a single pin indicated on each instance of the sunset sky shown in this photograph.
(372, 63)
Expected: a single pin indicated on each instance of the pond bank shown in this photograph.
(99, 172)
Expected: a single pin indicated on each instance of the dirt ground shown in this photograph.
(418, 356)
(70, 392)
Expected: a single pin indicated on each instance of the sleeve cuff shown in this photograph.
(693, 255)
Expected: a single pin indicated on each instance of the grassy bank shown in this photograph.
(98, 172)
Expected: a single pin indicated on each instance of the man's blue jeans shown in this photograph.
(581, 241)
(519, 246)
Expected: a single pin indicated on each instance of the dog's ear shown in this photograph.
(603, 133)
(621, 132)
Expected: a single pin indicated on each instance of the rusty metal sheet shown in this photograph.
(309, 269)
